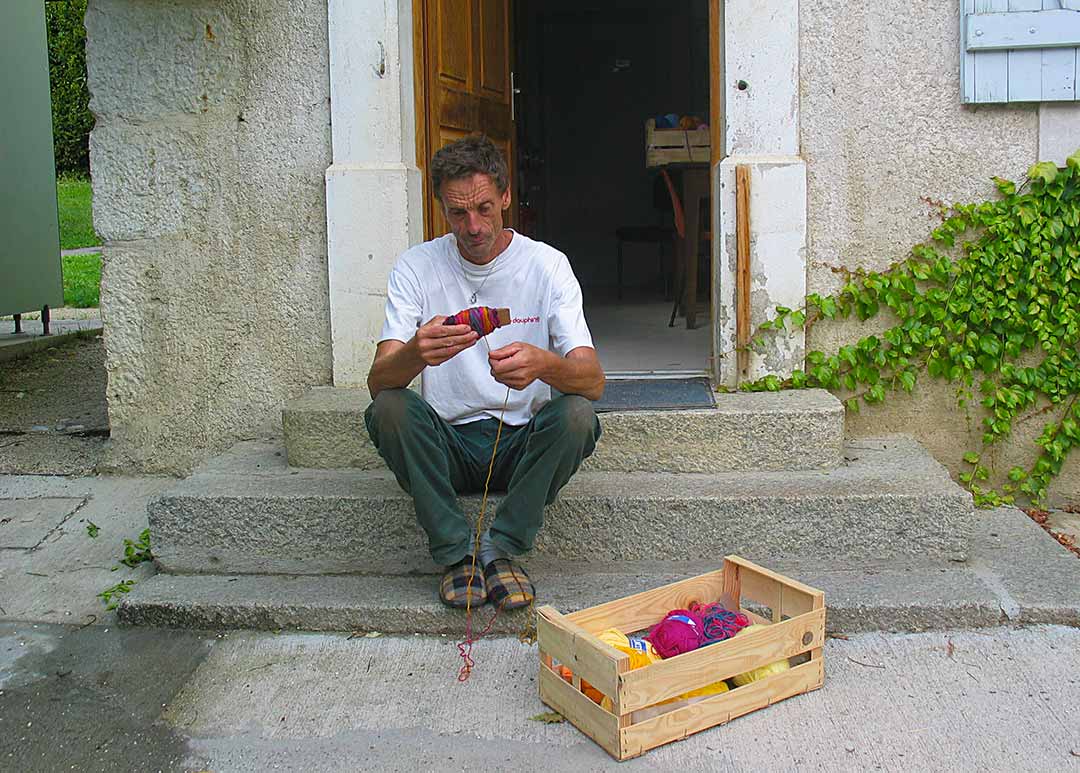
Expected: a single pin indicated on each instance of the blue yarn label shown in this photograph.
(639, 644)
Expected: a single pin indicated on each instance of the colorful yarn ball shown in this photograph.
(765, 671)
(482, 319)
(680, 631)
(641, 652)
(719, 623)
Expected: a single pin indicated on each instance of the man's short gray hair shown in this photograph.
(466, 157)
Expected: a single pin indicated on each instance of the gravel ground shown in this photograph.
(53, 417)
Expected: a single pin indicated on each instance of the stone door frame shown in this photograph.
(374, 190)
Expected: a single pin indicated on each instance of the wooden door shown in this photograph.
(466, 55)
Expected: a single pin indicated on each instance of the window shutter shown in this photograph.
(1019, 50)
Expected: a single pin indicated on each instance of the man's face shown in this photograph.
(474, 208)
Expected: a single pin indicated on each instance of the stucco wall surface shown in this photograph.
(208, 159)
(882, 127)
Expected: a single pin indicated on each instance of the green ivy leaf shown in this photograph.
(1008, 187)
(994, 295)
(1046, 170)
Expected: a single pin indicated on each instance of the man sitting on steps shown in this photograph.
(439, 443)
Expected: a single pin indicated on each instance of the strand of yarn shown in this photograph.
(719, 623)
(482, 319)
(465, 647)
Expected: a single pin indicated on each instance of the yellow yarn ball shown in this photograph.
(703, 692)
(759, 673)
(613, 637)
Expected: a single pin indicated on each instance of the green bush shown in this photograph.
(72, 120)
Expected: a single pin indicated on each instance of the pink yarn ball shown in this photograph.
(680, 631)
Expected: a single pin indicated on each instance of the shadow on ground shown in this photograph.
(53, 417)
(86, 699)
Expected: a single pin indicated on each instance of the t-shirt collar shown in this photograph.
(474, 271)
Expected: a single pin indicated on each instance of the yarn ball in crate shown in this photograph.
(719, 623)
(680, 631)
(640, 651)
(669, 121)
(590, 692)
(679, 701)
(759, 673)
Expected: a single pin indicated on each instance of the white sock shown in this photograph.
(488, 550)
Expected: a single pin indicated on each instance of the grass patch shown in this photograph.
(74, 201)
(82, 280)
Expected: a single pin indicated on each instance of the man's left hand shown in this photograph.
(517, 365)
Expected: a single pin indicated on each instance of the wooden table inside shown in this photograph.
(694, 187)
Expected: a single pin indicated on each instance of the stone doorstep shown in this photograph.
(793, 430)
(248, 512)
(1016, 574)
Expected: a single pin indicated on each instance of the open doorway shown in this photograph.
(588, 75)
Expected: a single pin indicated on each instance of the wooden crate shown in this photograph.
(675, 146)
(795, 631)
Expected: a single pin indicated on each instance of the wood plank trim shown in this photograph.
(1013, 29)
(720, 709)
(672, 677)
(742, 271)
(716, 94)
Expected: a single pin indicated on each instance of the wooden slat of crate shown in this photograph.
(643, 610)
(599, 725)
(580, 651)
(719, 709)
(676, 146)
(786, 581)
(693, 670)
(784, 596)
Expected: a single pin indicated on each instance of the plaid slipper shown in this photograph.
(508, 585)
(460, 584)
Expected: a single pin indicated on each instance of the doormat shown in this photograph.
(656, 395)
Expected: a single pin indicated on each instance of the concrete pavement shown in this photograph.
(105, 698)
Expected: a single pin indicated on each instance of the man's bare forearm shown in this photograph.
(578, 373)
(395, 366)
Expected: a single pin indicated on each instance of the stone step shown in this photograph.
(793, 430)
(1016, 574)
(248, 512)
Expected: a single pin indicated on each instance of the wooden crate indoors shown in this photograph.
(795, 631)
(675, 146)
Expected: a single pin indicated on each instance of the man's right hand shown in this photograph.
(436, 343)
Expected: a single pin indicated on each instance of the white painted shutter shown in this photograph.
(1019, 50)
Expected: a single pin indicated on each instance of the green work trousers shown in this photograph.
(434, 461)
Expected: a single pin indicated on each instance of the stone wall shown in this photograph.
(208, 159)
(882, 128)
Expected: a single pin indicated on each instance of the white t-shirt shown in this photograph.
(532, 279)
